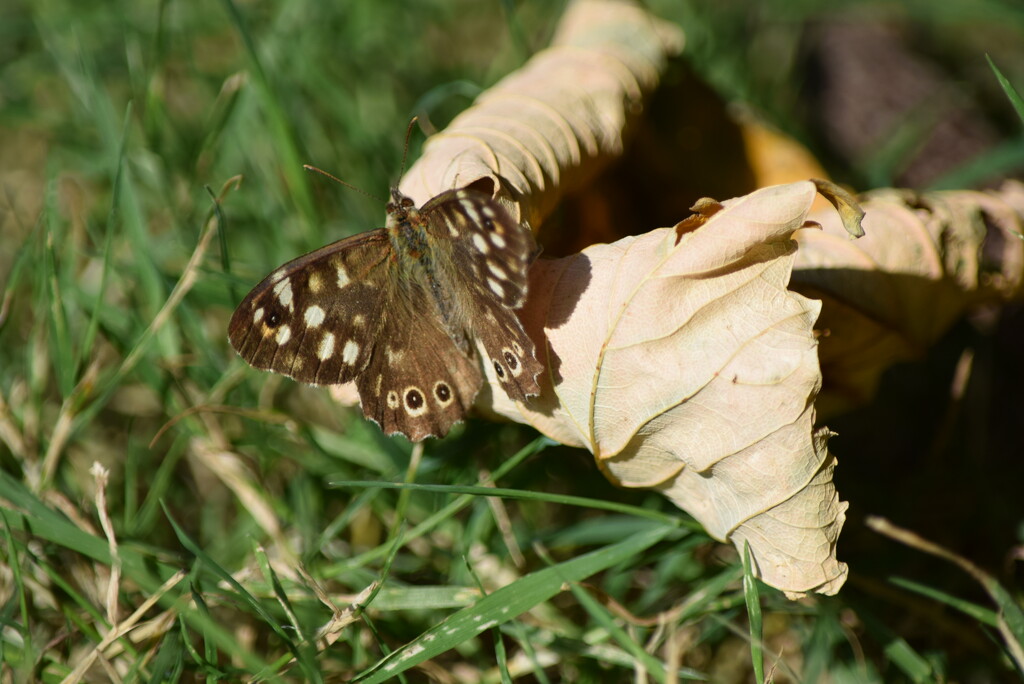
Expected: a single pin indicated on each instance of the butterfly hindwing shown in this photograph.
(509, 350)
(417, 381)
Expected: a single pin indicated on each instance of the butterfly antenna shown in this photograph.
(405, 150)
(309, 167)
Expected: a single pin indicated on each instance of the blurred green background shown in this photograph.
(118, 121)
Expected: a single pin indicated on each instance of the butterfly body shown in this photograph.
(407, 312)
(408, 232)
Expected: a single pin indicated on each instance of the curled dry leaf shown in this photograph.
(678, 358)
(550, 125)
(683, 362)
(926, 259)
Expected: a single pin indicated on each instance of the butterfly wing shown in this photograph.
(485, 242)
(417, 381)
(343, 313)
(490, 255)
(313, 318)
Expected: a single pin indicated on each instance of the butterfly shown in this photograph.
(408, 311)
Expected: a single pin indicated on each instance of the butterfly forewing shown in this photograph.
(492, 253)
(486, 243)
(342, 313)
(315, 318)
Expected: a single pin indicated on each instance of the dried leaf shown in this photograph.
(551, 125)
(847, 207)
(679, 358)
(684, 363)
(774, 157)
(926, 259)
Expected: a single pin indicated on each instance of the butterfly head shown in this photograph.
(400, 204)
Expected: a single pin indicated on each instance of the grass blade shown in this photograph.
(752, 595)
(509, 602)
(1011, 93)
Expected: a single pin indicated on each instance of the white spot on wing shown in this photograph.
(283, 290)
(497, 270)
(314, 316)
(284, 334)
(498, 241)
(343, 279)
(257, 315)
(315, 282)
(471, 212)
(350, 352)
(326, 348)
(496, 287)
(358, 320)
(480, 243)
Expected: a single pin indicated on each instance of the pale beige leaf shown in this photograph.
(679, 358)
(684, 363)
(926, 259)
(549, 126)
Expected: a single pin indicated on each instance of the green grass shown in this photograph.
(151, 164)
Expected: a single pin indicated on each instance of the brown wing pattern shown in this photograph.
(417, 381)
(491, 254)
(484, 242)
(315, 317)
(510, 351)
(343, 313)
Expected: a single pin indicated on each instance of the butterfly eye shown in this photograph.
(274, 319)
(498, 369)
(511, 360)
(443, 393)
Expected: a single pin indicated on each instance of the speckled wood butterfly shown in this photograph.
(406, 311)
